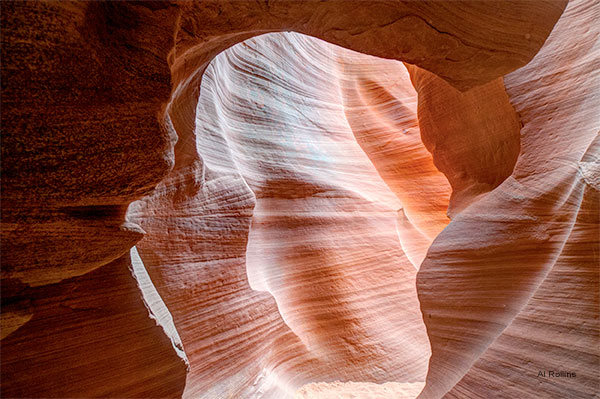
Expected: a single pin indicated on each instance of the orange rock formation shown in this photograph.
(240, 199)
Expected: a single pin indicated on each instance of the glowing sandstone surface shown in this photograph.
(309, 221)
(292, 233)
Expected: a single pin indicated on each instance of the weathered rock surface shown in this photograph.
(294, 198)
(518, 293)
(90, 336)
(83, 87)
(285, 232)
(474, 137)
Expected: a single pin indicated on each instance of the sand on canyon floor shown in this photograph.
(359, 390)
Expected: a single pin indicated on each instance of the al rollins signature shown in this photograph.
(556, 374)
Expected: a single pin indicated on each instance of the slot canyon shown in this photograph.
(276, 199)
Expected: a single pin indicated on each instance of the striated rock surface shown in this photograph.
(286, 232)
(518, 294)
(319, 222)
(83, 92)
(380, 105)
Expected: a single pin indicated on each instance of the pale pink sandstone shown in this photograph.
(286, 240)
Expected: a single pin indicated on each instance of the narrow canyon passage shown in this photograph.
(326, 166)
(239, 199)
(326, 254)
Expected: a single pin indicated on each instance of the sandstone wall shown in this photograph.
(291, 198)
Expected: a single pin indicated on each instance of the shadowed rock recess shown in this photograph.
(300, 199)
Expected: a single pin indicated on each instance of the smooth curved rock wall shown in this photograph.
(94, 97)
(520, 294)
(302, 246)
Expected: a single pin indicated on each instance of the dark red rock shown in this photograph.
(90, 336)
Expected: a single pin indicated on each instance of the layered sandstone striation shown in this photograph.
(83, 89)
(398, 200)
(536, 304)
(286, 229)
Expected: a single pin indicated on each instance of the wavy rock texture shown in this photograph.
(294, 197)
(500, 310)
(286, 232)
(380, 106)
